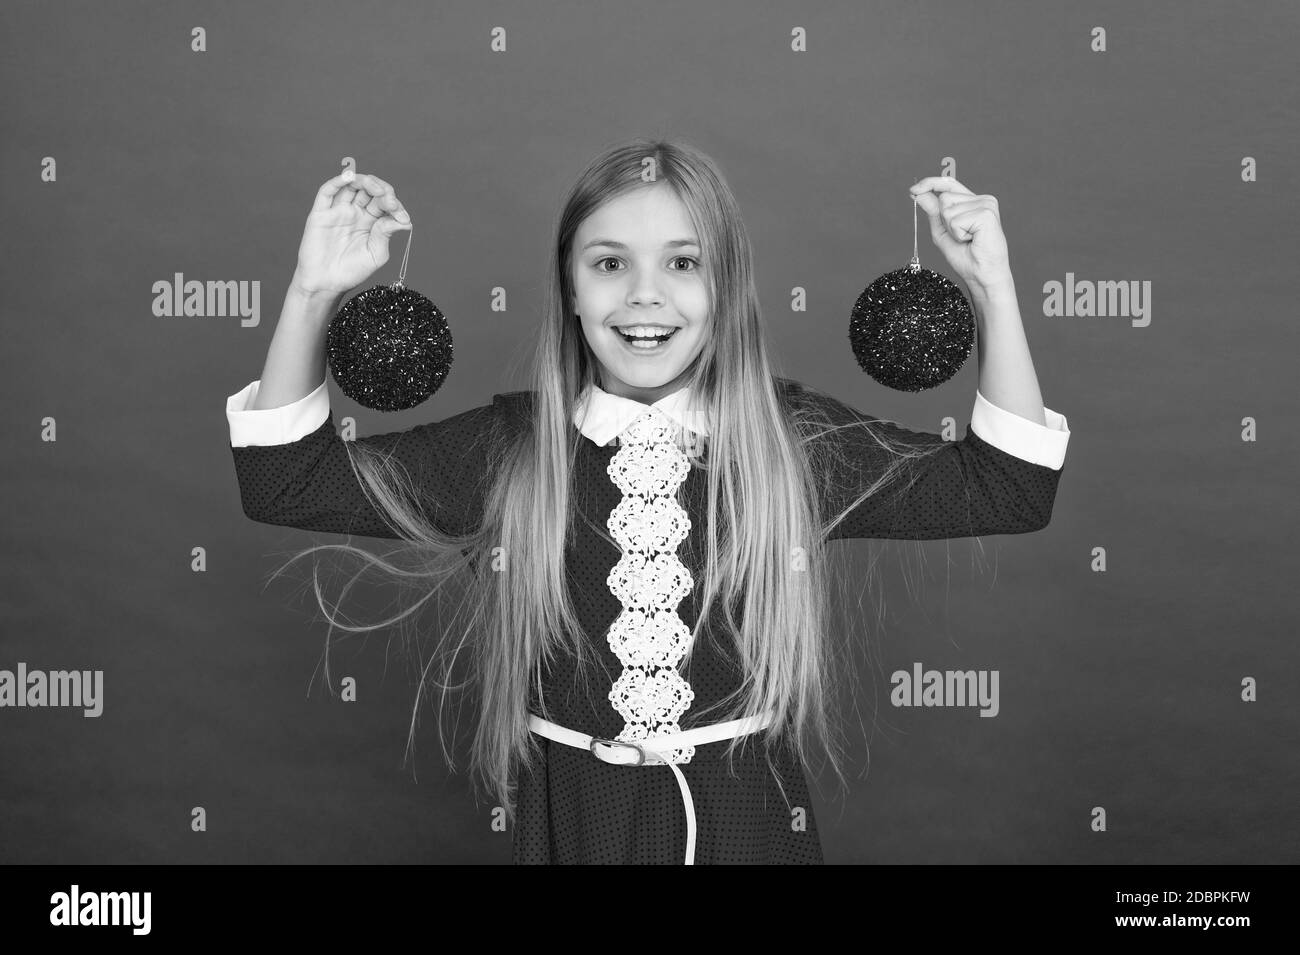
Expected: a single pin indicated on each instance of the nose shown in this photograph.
(645, 292)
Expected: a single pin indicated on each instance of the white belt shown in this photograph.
(649, 751)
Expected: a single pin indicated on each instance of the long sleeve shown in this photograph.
(1001, 478)
(293, 468)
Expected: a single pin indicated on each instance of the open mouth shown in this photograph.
(647, 343)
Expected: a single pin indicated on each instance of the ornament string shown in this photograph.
(405, 257)
(915, 264)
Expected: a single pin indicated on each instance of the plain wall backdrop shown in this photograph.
(1120, 689)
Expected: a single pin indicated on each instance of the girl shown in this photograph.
(644, 529)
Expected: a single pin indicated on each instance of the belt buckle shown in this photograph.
(618, 742)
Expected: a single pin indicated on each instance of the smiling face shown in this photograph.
(637, 276)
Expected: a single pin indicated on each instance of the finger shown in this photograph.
(369, 190)
(938, 184)
(380, 241)
(372, 184)
(375, 190)
(390, 202)
(961, 202)
(363, 196)
(369, 187)
(388, 225)
(964, 225)
(366, 189)
(384, 200)
(331, 188)
(945, 202)
(929, 204)
(380, 185)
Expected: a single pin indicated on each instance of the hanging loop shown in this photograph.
(405, 257)
(915, 264)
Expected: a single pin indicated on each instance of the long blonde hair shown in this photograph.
(765, 540)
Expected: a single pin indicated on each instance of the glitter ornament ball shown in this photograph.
(389, 348)
(912, 329)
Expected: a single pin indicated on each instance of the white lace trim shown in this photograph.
(648, 637)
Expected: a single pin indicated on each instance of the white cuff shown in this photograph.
(1025, 439)
(283, 425)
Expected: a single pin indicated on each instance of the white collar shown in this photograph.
(602, 416)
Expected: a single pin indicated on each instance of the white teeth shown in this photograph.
(646, 331)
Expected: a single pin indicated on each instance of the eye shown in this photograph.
(676, 258)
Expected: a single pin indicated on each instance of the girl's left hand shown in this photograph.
(967, 229)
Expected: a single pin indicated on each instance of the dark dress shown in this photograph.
(574, 808)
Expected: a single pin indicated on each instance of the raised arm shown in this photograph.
(294, 470)
(1001, 478)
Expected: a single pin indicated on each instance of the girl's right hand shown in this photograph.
(346, 237)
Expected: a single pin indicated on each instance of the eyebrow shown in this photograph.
(673, 244)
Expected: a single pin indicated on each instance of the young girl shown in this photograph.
(644, 529)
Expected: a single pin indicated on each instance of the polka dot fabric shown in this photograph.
(968, 488)
(573, 808)
(310, 484)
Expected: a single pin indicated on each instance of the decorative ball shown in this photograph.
(389, 348)
(912, 329)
